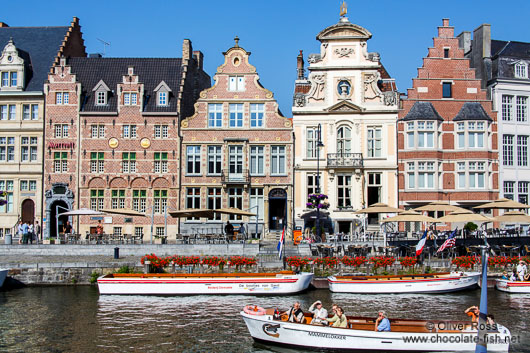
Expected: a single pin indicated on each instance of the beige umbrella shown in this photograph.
(124, 212)
(441, 206)
(82, 212)
(503, 204)
(513, 217)
(199, 212)
(464, 216)
(379, 208)
(234, 211)
(409, 216)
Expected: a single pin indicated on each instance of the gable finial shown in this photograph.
(236, 39)
(343, 9)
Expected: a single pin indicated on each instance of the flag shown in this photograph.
(421, 243)
(281, 243)
(449, 243)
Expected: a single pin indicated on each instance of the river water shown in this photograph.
(78, 319)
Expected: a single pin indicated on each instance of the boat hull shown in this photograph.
(512, 286)
(265, 330)
(281, 284)
(452, 283)
(3, 275)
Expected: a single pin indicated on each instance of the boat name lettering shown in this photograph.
(451, 326)
(327, 335)
(219, 287)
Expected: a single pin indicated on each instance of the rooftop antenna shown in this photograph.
(104, 45)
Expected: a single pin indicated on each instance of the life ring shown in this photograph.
(254, 310)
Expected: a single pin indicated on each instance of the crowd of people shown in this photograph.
(28, 232)
(518, 274)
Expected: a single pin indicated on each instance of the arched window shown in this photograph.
(344, 140)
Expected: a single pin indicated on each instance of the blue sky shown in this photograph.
(273, 30)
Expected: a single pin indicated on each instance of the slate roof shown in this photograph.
(472, 111)
(511, 48)
(38, 46)
(422, 111)
(151, 71)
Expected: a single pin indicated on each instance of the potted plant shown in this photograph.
(160, 239)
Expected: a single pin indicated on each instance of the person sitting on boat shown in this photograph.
(319, 313)
(382, 323)
(295, 314)
(513, 276)
(339, 320)
(505, 275)
(473, 312)
(521, 270)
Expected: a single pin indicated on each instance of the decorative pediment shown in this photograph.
(163, 87)
(101, 86)
(344, 30)
(345, 107)
(10, 55)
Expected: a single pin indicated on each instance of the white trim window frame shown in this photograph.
(193, 160)
(477, 175)
(507, 150)
(375, 141)
(426, 175)
(521, 108)
(520, 70)
(162, 99)
(507, 107)
(411, 175)
(236, 114)
(475, 133)
(426, 134)
(278, 160)
(257, 160)
(236, 83)
(101, 98)
(215, 115)
(257, 112)
(509, 189)
(215, 162)
(522, 150)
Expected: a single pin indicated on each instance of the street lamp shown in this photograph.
(319, 144)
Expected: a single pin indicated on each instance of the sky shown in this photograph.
(273, 30)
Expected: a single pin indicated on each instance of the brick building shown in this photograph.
(26, 56)
(447, 132)
(112, 137)
(237, 151)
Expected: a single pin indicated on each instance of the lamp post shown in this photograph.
(319, 144)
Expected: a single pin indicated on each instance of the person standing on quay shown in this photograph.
(242, 231)
(30, 233)
(25, 229)
(229, 231)
(37, 231)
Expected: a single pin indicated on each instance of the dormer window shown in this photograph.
(101, 93)
(9, 78)
(236, 83)
(101, 98)
(130, 98)
(162, 94)
(11, 68)
(13, 76)
(162, 98)
(5, 79)
(521, 70)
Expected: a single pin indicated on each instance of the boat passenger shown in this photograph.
(521, 270)
(513, 277)
(295, 314)
(505, 275)
(382, 323)
(339, 320)
(319, 313)
(490, 319)
(473, 312)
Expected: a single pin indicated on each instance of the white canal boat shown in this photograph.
(512, 286)
(418, 283)
(405, 335)
(3, 275)
(284, 282)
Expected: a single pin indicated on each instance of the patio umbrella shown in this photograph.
(124, 212)
(513, 217)
(409, 216)
(464, 216)
(82, 212)
(503, 204)
(441, 206)
(200, 212)
(234, 211)
(379, 208)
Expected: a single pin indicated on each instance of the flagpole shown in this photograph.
(482, 344)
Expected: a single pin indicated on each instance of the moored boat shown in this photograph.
(3, 275)
(512, 286)
(405, 335)
(442, 282)
(284, 282)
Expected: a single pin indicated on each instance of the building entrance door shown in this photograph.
(63, 207)
(28, 211)
(374, 195)
(277, 209)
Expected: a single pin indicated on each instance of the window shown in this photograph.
(425, 134)
(34, 112)
(8, 187)
(8, 112)
(101, 98)
(12, 112)
(118, 199)
(7, 149)
(235, 160)
(257, 199)
(256, 115)
(410, 134)
(521, 108)
(162, 98)
(214, 201)
(461, 133)
(61, 130)
(278, 160)
(32, 185)
(60, 162)
(117, 230)
(506, 109)
(159, 200)
(235, 199)
(97, 131)
(475, 134)
(447, 90)
(139, 200)
(344, 191)
(236, 83)
(507, 149)
(3, 112)
(312, 186)
(522, 188)
(5, 79)
(25, 112)
(257, 160)
(128, 162)
(461, 168)
(161, 131)
(521, 70)
(522, 151)
(97, 162)
(446, 53)
(24, 185)
(14, 78)
(509, 189)
(411, 176)
(130, 98)
(193, 158)
(193, 199)
(374, 142)
(344, 140)
(214, 160)
(129, 131)
(476, 175)
(160, 162)
(425, 175)
(28, 149)
(62, 97)
(215, 115)
(97, 199)
(139, 232)
(236, 115)
(159, 231)
(30, 111)
(312, 142)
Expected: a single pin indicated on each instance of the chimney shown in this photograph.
(445, 22)
(300, 65)
(187, 50)
(199, 57)
(3, 24)
(481, 53)
(464, 41)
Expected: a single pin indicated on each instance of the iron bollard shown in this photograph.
(116, 253)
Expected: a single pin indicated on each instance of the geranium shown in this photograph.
(354, 261)
(214, 261)
(298, 262)
(465, 261)
(155, 261)
(240, 261)
(498, 261)
(329, 262)
(185, 260)
(408, 261)
(317, 201)
(382, 261)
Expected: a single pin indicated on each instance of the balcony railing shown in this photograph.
(228, 177)
(345, 160)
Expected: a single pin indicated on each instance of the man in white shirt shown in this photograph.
(521, 270)
(319, 313)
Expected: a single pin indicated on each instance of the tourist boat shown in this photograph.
(3, 275)
(415, 283)
(284, 282)
(512, 286)
(405, 335)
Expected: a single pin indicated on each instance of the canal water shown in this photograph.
(78, 319)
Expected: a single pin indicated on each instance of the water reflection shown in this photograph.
(77, 319)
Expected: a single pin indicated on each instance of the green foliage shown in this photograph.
(124, 269)
(94, 277)
(470, 226)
